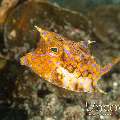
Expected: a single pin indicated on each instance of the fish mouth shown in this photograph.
(23, 60)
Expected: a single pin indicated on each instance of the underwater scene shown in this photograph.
(59, 59)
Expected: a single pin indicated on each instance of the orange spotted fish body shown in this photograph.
(65, 63)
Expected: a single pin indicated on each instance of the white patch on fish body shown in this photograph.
(86, 83)
(70, 79)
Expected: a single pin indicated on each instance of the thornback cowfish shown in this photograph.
(66, 63)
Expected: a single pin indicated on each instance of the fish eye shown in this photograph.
(54, 49)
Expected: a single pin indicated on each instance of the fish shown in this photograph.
(65, 63)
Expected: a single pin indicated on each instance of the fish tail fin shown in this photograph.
(109, 66)
(116, 60)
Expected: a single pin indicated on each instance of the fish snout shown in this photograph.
(23, 60)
